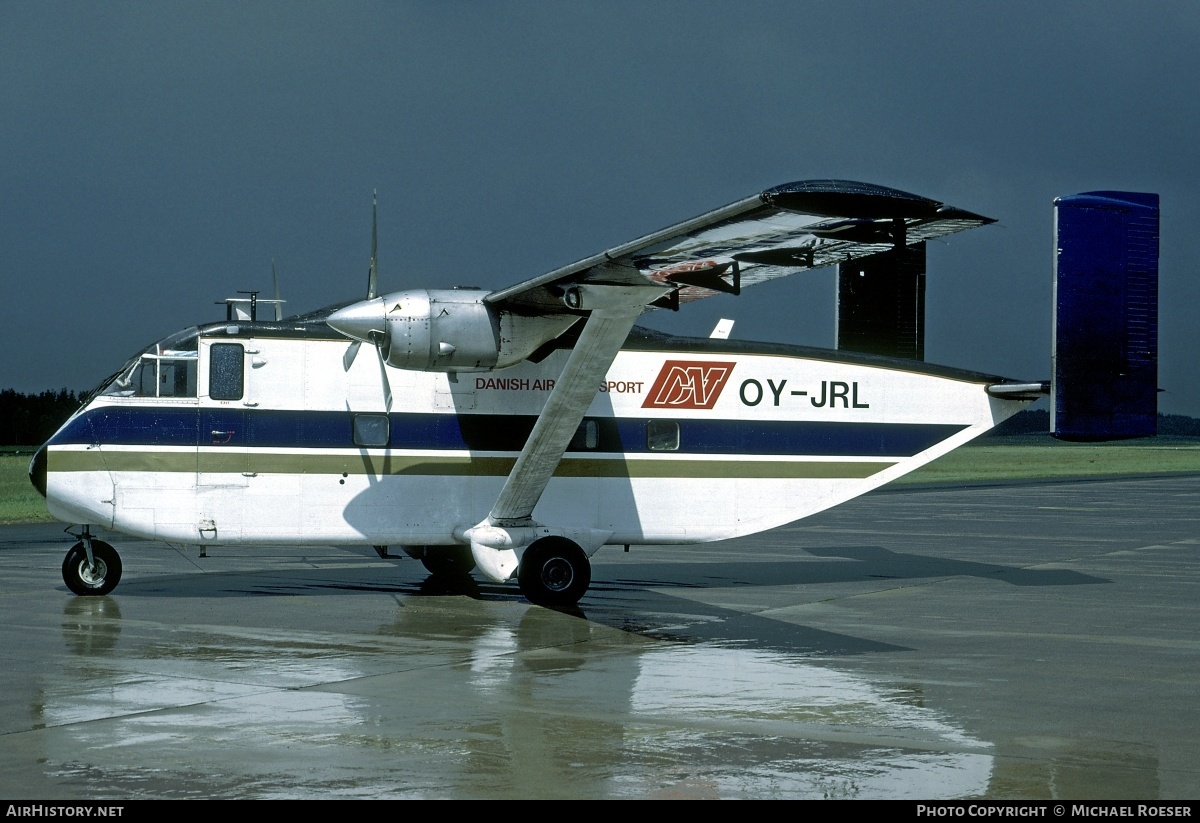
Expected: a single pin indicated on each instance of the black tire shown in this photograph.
(94, 581)
(554, 571)
(448, 561)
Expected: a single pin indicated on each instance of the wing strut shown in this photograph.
(510, 524)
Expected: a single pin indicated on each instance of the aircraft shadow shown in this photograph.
(637, 597)
(645, 608)
(871, 563)
(658, 615)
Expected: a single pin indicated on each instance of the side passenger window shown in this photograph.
(587, 436)
(371, 429)
(662, 435)
(226, 367)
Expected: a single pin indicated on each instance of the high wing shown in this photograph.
(778, 232)
(781, 231)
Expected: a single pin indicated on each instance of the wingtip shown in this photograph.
(848, 198)
(955, 213)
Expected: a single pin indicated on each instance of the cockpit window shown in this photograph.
(166, 369)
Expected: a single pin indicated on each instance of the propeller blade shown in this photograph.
(358, 322)
(278, 302)
(387, 384)
(373, 275)
(349, 355)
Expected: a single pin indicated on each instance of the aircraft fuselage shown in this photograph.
(255, 433)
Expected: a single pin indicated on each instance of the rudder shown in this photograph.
(1105, 358)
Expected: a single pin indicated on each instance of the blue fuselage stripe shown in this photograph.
(264, 428)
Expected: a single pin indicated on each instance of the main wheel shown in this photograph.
(554, 571)
(92, 580)
(448, 561)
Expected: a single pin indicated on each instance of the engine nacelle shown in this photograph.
(447, 330)
(440, 330)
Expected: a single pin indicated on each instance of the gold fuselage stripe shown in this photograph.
(450, 465)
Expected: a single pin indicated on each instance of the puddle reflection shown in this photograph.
(799, 729)
(460, 698)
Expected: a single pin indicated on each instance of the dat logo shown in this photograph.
(687, 384)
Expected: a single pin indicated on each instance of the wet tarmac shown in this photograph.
(1032, 641)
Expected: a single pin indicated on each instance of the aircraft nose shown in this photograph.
(361, 321)
(37, 471)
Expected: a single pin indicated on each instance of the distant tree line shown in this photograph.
(30, 419)
(1037, 421)
(1179, 425)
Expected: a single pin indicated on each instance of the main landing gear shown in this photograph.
(448, 561)
(92, 567)
(554, 571)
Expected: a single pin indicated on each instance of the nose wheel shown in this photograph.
(554, 571)
(94, 576)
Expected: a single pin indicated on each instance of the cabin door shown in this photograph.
(222, 449)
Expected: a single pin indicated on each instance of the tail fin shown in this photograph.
(1105, 384)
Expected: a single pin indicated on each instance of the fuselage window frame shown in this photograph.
(662, 435)
(586, 437)
(371, 430)
(227, 371)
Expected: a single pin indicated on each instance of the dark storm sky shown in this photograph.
(156, 157)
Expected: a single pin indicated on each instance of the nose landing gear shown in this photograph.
(91, 567)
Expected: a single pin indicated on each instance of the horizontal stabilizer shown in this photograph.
(1019, 391)
(1105, 384)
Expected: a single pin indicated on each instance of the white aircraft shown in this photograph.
(518, 431)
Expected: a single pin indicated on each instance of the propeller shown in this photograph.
(373, 273)
(372, 277)
(349, 355)
(278, 302)
(387, 384)
(372, 292)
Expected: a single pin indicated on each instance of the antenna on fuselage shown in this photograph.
(246, 308)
